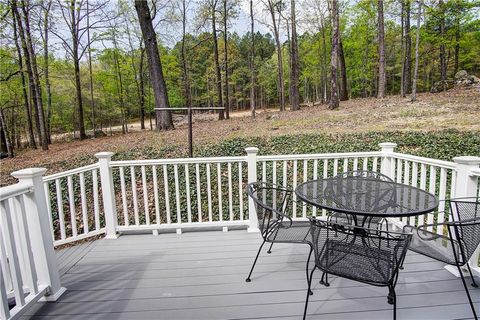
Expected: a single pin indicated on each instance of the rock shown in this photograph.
(272, 117)
(460, 75)
(100, 133)
(439, 85)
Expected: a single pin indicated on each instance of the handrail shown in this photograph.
(428, 161)
(15, 190)
(70, 172)
(475, 172)
(176, 161)
(312, 156)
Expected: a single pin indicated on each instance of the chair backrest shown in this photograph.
(363, 249)
(365, 174)
(271, 204)
(466, 214)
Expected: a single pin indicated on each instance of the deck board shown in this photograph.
(201, 275)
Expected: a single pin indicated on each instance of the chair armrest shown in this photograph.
(466, 222)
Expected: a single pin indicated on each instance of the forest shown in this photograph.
(84, 66)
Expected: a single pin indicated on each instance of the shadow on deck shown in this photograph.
(201, 275)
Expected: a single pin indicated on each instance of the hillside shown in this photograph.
(458, 110)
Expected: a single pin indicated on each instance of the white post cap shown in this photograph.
(390, 145)
(104, 155)
(468, 160)
(29, 173)
(251, 150)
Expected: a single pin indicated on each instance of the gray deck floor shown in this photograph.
(201, 275)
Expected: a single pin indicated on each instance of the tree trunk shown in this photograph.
(141, 82)
(30, 61)
(225, 52)
(186, 81)
(381, 53)
(417, 40)
(28, 114)
(324, 64)
(408, 50)
(457, 39)
(402, 76)
(252, 62)
(90, 72)
(164, 117)
(281, 86)
(8, 141)
(46, 15)
(76, 63)
(343, 71)
(295, 99)
(443, 63)
(334, 103)
(120, 87)
(218, 74)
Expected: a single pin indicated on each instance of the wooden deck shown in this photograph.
(201, 275)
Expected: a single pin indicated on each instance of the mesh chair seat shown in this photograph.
(356, 261)
(435, 246)
(297, 231)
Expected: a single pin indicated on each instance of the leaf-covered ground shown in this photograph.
(440, 125)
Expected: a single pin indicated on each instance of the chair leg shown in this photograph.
(308, 293)
(306, 269)
(474, 284)
(325, 282)
(468, 293)
(270, 249)
(254, 262)
(392, 299)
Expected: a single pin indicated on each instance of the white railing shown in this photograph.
(73, 203)
(176, 193)
(28, 268)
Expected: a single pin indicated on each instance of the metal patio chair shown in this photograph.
(369, 222)
(273, 207)
(460, 244)
(369, 256)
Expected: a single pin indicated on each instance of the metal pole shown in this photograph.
(190, 135)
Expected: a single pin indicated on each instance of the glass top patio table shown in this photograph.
(366, 197)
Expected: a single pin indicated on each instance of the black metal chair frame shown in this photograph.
(274, 219)
(369, 238)
(456, 238)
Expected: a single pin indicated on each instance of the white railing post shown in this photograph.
(466, 186)
(40, 232)
(108, 194)
(252, 177)
(387, 163)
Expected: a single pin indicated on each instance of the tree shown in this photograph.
(343, 71)
(295, 98)
(406, 77)
(417, 41)
(334, 103)
(381, 52)
(23, 23)
(228, 11)
(252, 62)
(164, 117)
(273, 8)
(90, 72)
(443, 61)
(46, 27)
(31, 137)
